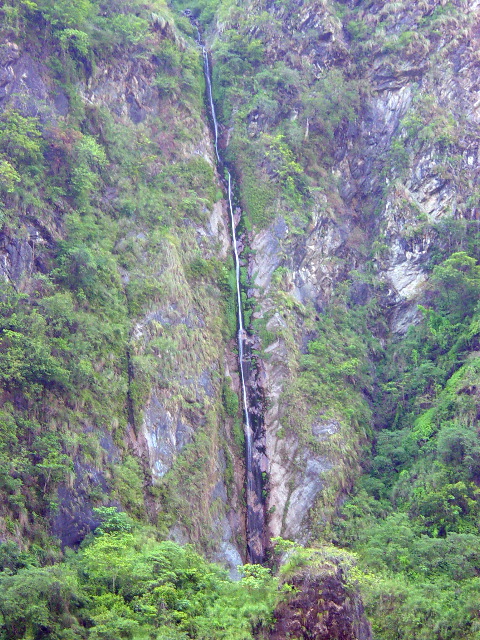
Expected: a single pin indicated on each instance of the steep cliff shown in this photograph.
(353, 130)
(350, 132)
(115, 255)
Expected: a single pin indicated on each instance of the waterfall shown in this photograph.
(255, 518)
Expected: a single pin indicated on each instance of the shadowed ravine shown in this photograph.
(251, 395)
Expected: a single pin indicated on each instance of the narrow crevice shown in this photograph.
(252, 395)
(130, 376)
(130, 369)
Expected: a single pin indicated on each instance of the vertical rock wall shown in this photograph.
(397, 172)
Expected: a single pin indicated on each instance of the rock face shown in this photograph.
(22, 83)
(354, 145)
(173, 434)
(323, 608)
(395, 177)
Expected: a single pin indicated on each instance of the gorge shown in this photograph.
(239, 321)
(255, 511)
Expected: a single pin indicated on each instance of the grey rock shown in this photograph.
(205, 380)
(135, 111)
(9, 53)
(308, 483)
(280, 228)
(62, 103)
(220, 492)
(166, 435)
(230, 556)
(16, 259)
(179, 535)
(227, 553)
(322, 430)
(75, 518)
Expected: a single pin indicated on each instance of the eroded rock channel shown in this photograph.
(251, 391)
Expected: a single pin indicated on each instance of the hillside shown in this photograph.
(350, 131)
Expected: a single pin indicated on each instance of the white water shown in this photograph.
(241, 330)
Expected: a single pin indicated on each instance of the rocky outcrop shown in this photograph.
(400, 171)
(22, 83)
(323, 607)
(178, 351)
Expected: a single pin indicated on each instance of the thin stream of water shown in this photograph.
(241, 330)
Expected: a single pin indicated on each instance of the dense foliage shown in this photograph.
(123, 583)
(414, 518)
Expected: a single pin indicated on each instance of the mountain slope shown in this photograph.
(351, 132)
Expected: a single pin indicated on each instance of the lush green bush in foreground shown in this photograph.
(123, 583)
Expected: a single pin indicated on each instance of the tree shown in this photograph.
(113, 520)
(21, 139)
(111, 555)
(457, 285)
(65, 13)
(458, 446)
(9, 177)
(36, 601)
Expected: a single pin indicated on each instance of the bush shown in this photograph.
(64, 13)
(230, 399)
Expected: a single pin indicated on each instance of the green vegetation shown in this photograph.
(114, 299)
(82, 27)
(414, 516)
(108, 300)
(331, 377)
(123, 583)
(203, 10)
(230, 399)
(276, 150)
